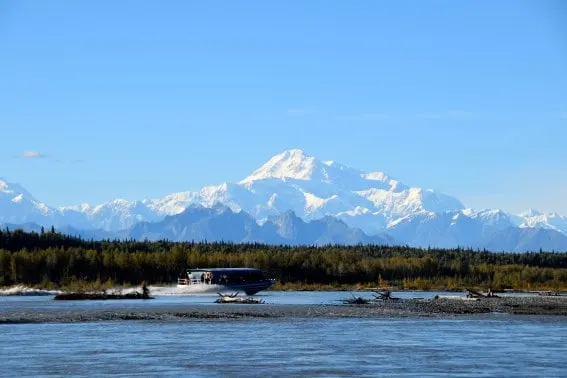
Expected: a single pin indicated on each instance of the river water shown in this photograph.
(451, 346)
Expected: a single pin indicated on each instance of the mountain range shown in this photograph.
(295, 198)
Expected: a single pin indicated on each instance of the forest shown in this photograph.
(50, 259)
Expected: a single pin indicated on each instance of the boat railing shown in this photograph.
(194, 281)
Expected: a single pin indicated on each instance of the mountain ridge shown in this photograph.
(313, 189)
(220, 223)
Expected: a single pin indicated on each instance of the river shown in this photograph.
(480, 345)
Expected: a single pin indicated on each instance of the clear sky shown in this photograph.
(135, 99)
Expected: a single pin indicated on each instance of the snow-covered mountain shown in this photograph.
(17, 205)
(114, 215)
(535, 219)
(312, 189)
(490, 229)
(465, 228)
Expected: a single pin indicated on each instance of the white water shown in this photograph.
(21, 290)
(172, 290)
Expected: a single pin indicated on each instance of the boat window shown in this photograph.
(227, 276)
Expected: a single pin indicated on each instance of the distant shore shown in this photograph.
(387, 308)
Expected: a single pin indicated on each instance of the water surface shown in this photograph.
(451, 346)
(165, 296)
(477, 346)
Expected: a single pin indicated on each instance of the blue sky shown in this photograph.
(139, 99)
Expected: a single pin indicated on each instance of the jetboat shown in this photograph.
(215, 280)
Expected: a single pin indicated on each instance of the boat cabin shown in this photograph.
(221, 276)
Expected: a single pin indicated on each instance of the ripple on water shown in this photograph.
(480, 345)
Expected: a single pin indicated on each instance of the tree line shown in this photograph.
(50, 258)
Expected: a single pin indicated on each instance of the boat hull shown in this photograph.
(249, 288)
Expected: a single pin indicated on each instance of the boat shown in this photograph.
(218, 280)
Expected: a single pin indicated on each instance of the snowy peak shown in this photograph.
(293, 164)
(553, 221)
(14, 190)
(531, 213)
(297, 165)
(18, 206)
(491, 217)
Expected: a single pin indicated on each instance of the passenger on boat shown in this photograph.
(183, 278)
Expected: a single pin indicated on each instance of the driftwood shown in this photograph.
(549, 294)
(233, 298)
(355, 300)
(477, 294)
(385, 295)
(380, 294)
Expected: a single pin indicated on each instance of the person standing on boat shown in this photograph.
(203, 278)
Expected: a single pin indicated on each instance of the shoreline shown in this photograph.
(442, 307)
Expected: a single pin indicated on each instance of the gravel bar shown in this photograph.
(380, 308)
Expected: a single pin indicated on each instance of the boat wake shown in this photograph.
(176, 291)
(21, 290)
